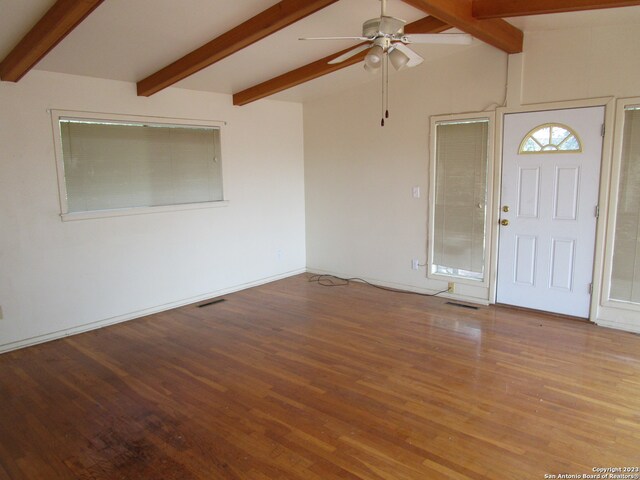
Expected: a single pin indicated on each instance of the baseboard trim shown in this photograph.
(403, 286)
(87, 327)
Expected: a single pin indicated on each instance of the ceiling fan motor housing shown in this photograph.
(383, 26)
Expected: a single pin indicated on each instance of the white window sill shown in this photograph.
(120, 212)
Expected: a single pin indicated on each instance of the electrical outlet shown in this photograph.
(1, 315)
(279, 254)
(451, 288)
(415, 192)
(415, 264)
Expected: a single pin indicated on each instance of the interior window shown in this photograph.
(111, 165)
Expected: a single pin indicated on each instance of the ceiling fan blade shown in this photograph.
(350, 54)
(335, 38)
(414, 58)
(439, 38)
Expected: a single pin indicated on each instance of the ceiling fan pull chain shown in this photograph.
(383, 88)
(386, 75)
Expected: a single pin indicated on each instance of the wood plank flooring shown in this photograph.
(293, 380)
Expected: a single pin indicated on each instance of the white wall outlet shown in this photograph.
(415, 191)
(279, 254)
(415, 264)
(451, 287)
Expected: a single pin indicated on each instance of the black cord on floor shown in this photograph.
(334, 281)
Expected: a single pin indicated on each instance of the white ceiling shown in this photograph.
(130, 39)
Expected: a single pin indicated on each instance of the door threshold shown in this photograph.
(543, 312)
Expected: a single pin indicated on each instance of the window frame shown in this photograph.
(458, 118)
(622, 105)
(65, 215)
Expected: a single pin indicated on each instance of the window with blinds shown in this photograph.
(112, 165)
(625, 273)
(459, 215)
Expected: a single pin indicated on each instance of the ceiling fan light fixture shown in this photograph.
(374, 57)
(368, 69)
(398, 59)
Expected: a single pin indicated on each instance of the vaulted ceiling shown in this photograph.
(249, 48)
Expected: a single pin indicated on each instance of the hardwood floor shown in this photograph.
(293, 380)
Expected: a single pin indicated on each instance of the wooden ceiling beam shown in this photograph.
(458, 14)
(485, 9)
(322, 67)
(275, 18)
(57, 23)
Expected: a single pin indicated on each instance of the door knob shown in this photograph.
(505, 208)
(504, 222)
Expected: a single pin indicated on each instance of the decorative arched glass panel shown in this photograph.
(550, 138)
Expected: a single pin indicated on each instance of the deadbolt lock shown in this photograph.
(504, 222)
(505, 209)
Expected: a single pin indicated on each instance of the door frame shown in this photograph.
(603, 197)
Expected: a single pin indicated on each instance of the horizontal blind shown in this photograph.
(123, 165)
(625, 275)
(461, 188)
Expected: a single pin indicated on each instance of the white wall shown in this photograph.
(361, 217)
(58, 277)
(579, 63)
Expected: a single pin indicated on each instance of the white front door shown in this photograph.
(548, 209)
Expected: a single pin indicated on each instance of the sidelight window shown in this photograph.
(460, 161)
(625, 273)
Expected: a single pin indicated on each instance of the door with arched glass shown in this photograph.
(549, 197)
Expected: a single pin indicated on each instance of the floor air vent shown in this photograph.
(462, 305)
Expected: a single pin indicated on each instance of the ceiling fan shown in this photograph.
(386, 41)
